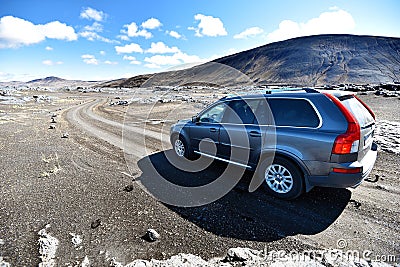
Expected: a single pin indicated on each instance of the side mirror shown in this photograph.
(195, 119)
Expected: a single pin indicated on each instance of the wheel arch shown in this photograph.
(293, 159)
(182, 134)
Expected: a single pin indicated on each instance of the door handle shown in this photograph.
(255, 134)
(213, 129)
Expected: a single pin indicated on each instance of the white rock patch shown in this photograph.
(76, 240)
(85, 262)
(3, 263)
(387, 136)
(47, 248)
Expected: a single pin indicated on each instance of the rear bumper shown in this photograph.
(340, 180)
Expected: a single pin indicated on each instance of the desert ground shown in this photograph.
(71, 196)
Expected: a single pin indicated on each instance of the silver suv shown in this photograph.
(293, 140)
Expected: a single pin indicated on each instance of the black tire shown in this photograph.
(187, 152)
(282, 179)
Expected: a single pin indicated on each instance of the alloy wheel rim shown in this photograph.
(278, 178)
(179, 148)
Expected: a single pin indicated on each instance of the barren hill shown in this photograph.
(322, 59)
(304, 61)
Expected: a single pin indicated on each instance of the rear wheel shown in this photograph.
(282, 178)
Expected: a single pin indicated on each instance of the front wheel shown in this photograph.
(181, 149)
(282, 178)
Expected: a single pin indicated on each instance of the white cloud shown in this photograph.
(95, 27)
(161, 48)
(128, 57)
(176, 59)
(208, 26)
(93, 14)
(92, 36)
(49, 48)
(49, 62)
(249, 32)
(16, 32)
(152, 66)
(151, 24)
(58, 30)
(129, 48)
(174, 34)
(91, 33)
(132, 60)
(135, 62)
(108, 62)
(102, 52)
(90, 59)
(331, 22)
(132, 30)
(123, 37)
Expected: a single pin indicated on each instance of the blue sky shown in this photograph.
(104, 39)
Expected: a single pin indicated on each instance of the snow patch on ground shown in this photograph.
(47, 248)
(249, 257)
(76, 240)
(177, 260)
(86, 262)
(3, 263)
(387, 136)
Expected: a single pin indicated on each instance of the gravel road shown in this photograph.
(75, 183)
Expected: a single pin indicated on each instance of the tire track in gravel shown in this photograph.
(110, 131)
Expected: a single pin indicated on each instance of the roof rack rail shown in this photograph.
(310, 90)
(307, 90)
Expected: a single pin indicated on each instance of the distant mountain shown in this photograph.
(51, 82)
(304, 61)
(135, 81)
(47, 80)
(322, 59)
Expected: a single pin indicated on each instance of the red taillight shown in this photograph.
(365, 105)
(352, 170)
(349, 141)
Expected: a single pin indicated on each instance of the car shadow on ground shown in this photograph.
(243, 215)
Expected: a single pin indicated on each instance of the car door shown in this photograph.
(204, 132)
(240, 135)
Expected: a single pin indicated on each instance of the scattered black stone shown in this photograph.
(355, 203)
(376, 179)
(120, 103)
(95, 224)
(151, 235)
(381, 188)
(128, 188)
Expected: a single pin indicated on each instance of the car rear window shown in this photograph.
(362, 115)
(293, 112)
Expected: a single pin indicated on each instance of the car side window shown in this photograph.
(213, 114)
(293, 112)
(240, 111)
